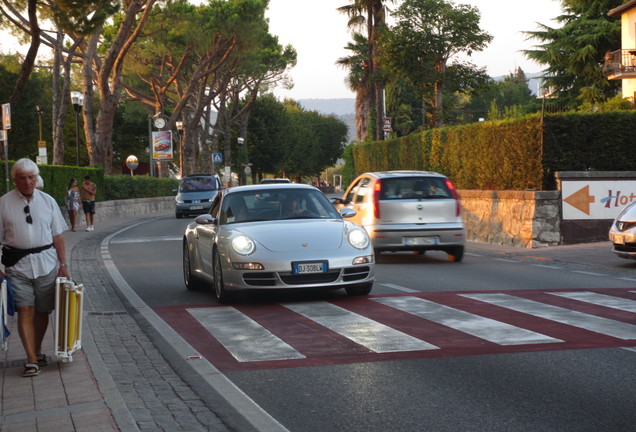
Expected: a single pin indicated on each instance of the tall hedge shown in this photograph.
(517, 154)
(124, 187)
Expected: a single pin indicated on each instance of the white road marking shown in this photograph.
(554, 313)
(145, 239)
(547, 266)
(399, 288)
(361, 330)
(600, 299)
(478, 326)
(587, 273)
(245, 339)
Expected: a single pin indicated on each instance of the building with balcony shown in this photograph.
(621, 64)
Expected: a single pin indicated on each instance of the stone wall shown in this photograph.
(512, 218)
(524, 219)
(107, 210)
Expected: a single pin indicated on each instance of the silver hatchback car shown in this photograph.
(408, 210)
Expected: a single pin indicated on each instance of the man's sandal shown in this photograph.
(31, 370)
(42, 360)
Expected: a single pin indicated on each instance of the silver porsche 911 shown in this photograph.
(276, 236)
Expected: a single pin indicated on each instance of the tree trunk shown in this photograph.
(438, 104)
(90, 125)
(378, 85)
(29, 59)
(438, 97)
(362, 113)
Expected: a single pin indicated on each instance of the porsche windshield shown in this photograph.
(276, 204)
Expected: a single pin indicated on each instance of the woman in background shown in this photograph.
(71, 199)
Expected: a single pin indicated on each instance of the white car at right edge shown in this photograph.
(622, 233)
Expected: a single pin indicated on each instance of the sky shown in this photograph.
(319, 33)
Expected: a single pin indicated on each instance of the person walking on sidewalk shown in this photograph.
(89, 189)
(71, 200)
(33, 255)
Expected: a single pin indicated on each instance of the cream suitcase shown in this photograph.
(4, 316)
(69, 304)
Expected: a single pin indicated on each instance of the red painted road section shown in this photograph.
(322, 346)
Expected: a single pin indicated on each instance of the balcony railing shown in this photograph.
(620, 64)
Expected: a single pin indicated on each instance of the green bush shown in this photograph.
(57, 177)
(124, 187)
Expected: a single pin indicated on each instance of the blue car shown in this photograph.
(196, 193)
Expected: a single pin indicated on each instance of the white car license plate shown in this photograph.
(196, 208)
(310, 267)
(421, 241)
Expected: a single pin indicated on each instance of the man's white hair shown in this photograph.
(24, 166)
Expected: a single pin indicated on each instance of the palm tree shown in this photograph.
(370, 14)
(357, 80)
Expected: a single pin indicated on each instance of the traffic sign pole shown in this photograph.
(6, 125)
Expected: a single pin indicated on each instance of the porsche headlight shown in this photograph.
(243, 245)
(358, 238)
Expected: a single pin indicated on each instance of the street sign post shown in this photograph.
(387, 124)
(6, 125)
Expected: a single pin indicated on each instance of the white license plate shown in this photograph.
(310, 267)
(196, 208)
(420, 241)
(619, 239)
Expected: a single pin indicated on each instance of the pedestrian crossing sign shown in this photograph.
(217, 157)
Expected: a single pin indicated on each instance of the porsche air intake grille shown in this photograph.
(260, 279)
(291, 279)
(355, 273)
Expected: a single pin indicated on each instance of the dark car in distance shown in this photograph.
(196, 193)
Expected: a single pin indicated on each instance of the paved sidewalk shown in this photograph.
(119, 380)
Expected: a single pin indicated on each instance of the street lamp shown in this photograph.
(240, 141)
(77, 99)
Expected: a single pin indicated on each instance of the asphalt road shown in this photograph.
(579, 381)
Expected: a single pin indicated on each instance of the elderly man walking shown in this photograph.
(34, 255)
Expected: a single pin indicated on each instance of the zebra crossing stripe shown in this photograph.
(475, 325)
(565, 316)
(361, 330)
(600, 299)
(245, 339)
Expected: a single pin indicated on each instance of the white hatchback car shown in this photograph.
(408, 210)
(622, 233)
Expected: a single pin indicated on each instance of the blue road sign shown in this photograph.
(217, 157)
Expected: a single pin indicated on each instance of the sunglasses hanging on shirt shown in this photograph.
(27, 210)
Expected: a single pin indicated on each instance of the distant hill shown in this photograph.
(344, 108)
(338, 107)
